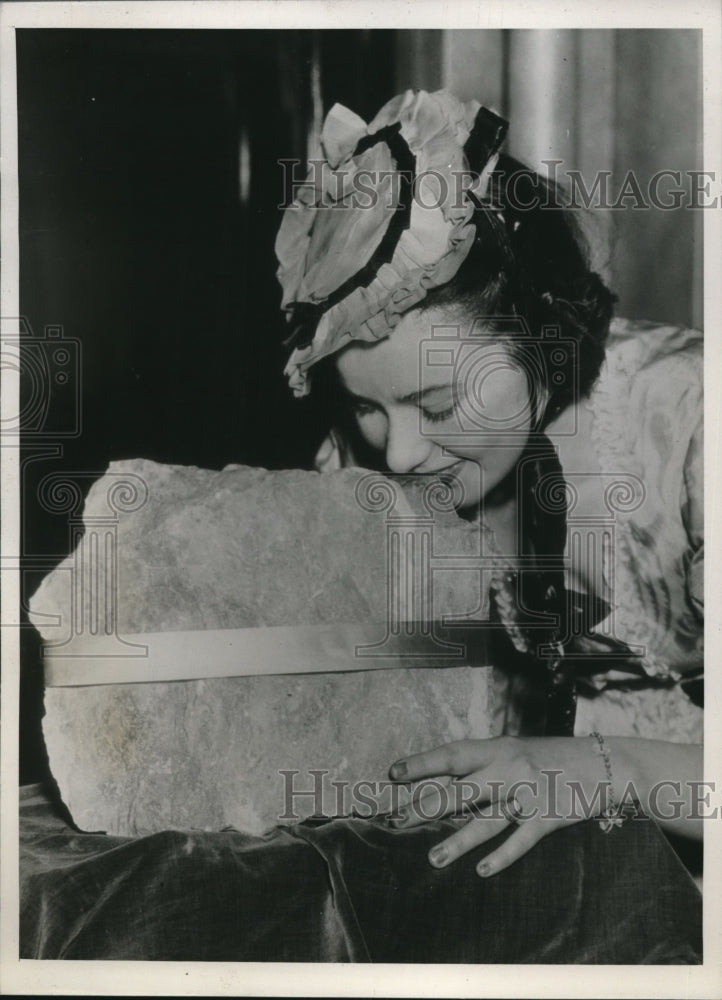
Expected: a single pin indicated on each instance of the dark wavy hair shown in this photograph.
(530, 261)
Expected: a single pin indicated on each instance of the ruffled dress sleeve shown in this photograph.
(648, 424)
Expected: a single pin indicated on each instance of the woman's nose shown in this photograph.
(407, 448)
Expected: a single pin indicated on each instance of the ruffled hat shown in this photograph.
(385, 214)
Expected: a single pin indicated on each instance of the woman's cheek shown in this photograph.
(374, 429)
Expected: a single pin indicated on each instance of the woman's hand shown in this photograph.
(537, 784)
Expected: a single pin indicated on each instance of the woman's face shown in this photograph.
(436, 397)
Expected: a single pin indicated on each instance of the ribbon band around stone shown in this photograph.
(152, 657)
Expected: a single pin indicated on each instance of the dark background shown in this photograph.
(139, 240)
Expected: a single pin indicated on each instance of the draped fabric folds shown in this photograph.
(350, 890)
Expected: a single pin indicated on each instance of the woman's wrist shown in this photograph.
(663, 778)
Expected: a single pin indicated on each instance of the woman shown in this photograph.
(459, 332)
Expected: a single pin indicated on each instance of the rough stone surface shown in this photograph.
(237, 549)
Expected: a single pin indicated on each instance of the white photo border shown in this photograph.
(46, 977)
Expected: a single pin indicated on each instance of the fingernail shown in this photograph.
(438, 856)
(399, 769)
(483, 869)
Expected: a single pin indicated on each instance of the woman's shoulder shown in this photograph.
(647, 408)
(635, 347)
(651, 384)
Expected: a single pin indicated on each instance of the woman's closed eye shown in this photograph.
(363, 408)
(438, 416)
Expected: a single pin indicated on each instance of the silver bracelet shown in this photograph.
(612, 816)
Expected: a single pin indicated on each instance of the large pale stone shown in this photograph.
(244, 548)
